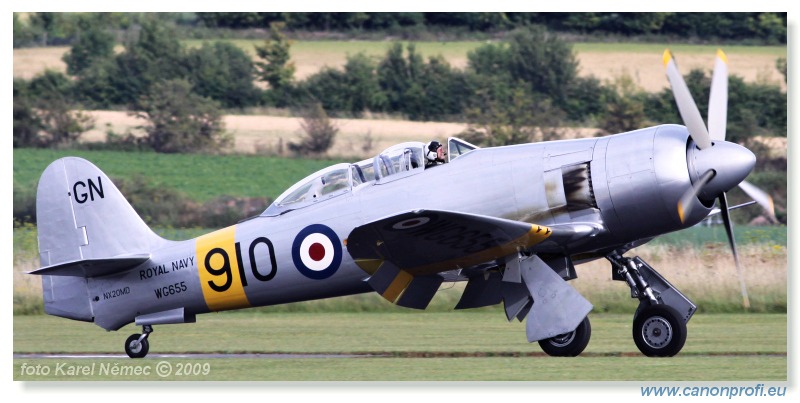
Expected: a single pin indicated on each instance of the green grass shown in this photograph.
(420, 346)
(201, 177)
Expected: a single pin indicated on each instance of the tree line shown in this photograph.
(41, 29)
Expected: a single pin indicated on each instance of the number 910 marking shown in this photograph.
(225, 269)
(222, 271)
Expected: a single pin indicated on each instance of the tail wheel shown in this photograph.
(568, 344)
(659, 331)
(135, 348)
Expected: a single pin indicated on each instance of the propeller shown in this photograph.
(686, 201)
(760, 197)
(726, 219)
(717, 121)
(717, 165)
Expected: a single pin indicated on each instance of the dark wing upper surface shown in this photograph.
(424, 242)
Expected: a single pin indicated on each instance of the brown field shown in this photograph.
(647, 69)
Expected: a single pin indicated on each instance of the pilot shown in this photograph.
(434, 155)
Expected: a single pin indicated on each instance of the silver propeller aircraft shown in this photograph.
(511, 221)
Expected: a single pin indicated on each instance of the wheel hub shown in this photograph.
(135, 346)
(657, 332)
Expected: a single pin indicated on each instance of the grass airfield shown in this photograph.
(401, 346)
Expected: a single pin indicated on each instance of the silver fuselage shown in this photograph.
(628, 184)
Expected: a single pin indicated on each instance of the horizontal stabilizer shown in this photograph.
(93, 267)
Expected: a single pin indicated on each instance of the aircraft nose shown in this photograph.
(731, 163)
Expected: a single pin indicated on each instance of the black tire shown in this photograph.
(659, 331)
(568, 344)
(140, 350)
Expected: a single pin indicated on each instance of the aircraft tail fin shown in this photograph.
(82, 217)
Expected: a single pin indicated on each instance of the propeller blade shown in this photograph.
(687, 200)
(761, 197)
(726, 219)
(686, 106)
(718, 101)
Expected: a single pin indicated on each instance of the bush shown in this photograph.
(519, 119)
(542, 61)
(354, 90)
(154, 58)
(396, 75)
(44, 114)
(223, 72)
(220, 71)
(440, 91)
(319, 132)
(420, 90)
(276, 69)
(27, 123)
(587, 100)
(539, 63)
(624, 108)
(94, 43)
(98, 86)
(179, 120)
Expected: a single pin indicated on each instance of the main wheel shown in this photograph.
(136, 349)
(568, 344)
(659, 331)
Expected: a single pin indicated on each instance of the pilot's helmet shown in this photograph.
(431, 155)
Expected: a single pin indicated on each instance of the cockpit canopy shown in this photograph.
(322, 185)
(396, 162)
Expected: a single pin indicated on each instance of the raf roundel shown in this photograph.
(317, 252)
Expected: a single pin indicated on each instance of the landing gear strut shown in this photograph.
(137, 346)
(659, 324)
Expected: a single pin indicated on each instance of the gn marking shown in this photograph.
(81, 196)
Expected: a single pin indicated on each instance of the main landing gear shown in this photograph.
(568, 344)
(659, 324)
(137, 346)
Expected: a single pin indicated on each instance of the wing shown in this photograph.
(404, 253)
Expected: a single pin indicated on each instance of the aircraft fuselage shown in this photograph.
(280, 259)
